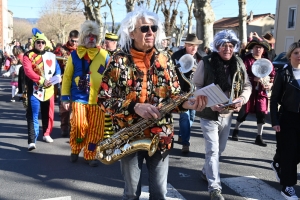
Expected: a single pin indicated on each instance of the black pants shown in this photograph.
(289, 147)
(260, 116)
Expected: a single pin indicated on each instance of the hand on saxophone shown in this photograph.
(198, 103)
(147, 111)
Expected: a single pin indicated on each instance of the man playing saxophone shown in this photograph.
(137, 82)
(222, 67)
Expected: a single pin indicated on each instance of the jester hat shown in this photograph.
(38, 35)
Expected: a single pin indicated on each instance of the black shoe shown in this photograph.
(185, 149)
(93, 163)
(235, 136)
(179, 139)
(13, 99)
(289, 193)
(276, 168)
(259, 141)
(64, 133)
(74, 157)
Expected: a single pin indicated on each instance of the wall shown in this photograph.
(283, 35)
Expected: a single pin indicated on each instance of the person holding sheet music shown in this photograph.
(219, 68)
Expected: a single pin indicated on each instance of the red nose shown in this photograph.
(91, 39)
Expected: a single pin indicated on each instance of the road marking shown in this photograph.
(59, 198)
(182, 175)
(252, 188)
(172, 193)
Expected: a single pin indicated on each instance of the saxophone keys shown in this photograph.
(117, 152)
(109, 151)
(126, 147)
(100, 155)
(108, 158)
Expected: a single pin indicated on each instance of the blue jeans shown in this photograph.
(131, 169)
(185, 123)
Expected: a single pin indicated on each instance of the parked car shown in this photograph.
(279, 61)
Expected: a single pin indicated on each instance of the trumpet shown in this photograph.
(61, 58)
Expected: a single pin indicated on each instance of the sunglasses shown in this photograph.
(74, 41)
(145, 29)
(40, 42)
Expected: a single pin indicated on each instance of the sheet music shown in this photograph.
(214, 95)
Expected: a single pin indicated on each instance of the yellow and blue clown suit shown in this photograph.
(87, 119)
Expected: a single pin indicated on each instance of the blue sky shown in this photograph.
(222, 8)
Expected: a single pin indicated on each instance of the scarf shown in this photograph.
(219, 70)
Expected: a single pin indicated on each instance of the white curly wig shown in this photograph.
(225, 36)
(86, 28)
(129, 22)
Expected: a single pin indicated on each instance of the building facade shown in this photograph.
(6, 25)
(260, 23)
(287, 26)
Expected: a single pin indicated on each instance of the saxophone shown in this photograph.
(132, 139)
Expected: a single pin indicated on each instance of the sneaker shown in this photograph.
(235, 136)
(289, 193)
(47, 139)
(203, 176)
(277, 170)
(259, 141)
(74, 157)
(216, 195)
(179, 139)
(13, 99)
(31, 146)
(185, 149)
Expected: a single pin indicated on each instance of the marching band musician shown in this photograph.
(111, 42)
(258, 102)
(65, 52)
(138, 80)
(220, 68)
(81, 82)
(43, 72)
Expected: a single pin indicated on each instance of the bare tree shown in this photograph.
(22, 30)
(109, 4)
(55, 23)
(190, 7)
(205, 19)
(170, 20)
(129, 5)
(242, 21)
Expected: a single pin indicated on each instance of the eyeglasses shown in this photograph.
(230, 46)
(74, 41)
(40, 42)
(145, 29)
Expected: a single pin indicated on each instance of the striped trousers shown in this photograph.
(87, 129)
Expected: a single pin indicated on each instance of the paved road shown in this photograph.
(47, 173)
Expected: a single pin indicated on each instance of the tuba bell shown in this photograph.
(261, 68)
